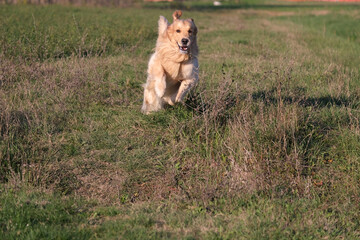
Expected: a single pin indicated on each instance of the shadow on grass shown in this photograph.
(226, 101)
(226, 107)
(270, 97)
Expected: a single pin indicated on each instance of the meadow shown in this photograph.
(267, 146)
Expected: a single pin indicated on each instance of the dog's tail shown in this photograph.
(163, 24)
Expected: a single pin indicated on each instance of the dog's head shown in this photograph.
(181, 33)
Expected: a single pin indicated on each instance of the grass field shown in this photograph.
(266, 147)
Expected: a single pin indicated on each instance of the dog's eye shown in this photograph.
(189, 31)
(178, 31)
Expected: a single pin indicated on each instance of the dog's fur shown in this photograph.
(173, 68)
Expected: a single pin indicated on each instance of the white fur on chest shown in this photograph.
(182, 71)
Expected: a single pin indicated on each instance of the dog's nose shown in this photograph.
(184, 41)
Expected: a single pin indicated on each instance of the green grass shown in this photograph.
(34, 215)
(266, 147)
(70, 32)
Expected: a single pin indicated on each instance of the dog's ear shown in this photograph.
(177, 14)
(195, 28)
(163, 24)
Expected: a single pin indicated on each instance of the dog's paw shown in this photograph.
(144, 110)
(178, 99)
(169, 101)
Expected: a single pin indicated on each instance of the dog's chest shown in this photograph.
(178, 71)
(173, 70)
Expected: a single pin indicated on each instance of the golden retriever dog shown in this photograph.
(173, 68)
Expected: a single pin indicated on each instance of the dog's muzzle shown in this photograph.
(184, 47)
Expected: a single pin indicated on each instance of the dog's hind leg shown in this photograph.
(171, 92)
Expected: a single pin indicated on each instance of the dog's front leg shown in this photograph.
(160, 85)
(185, 86)
(154, 90)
